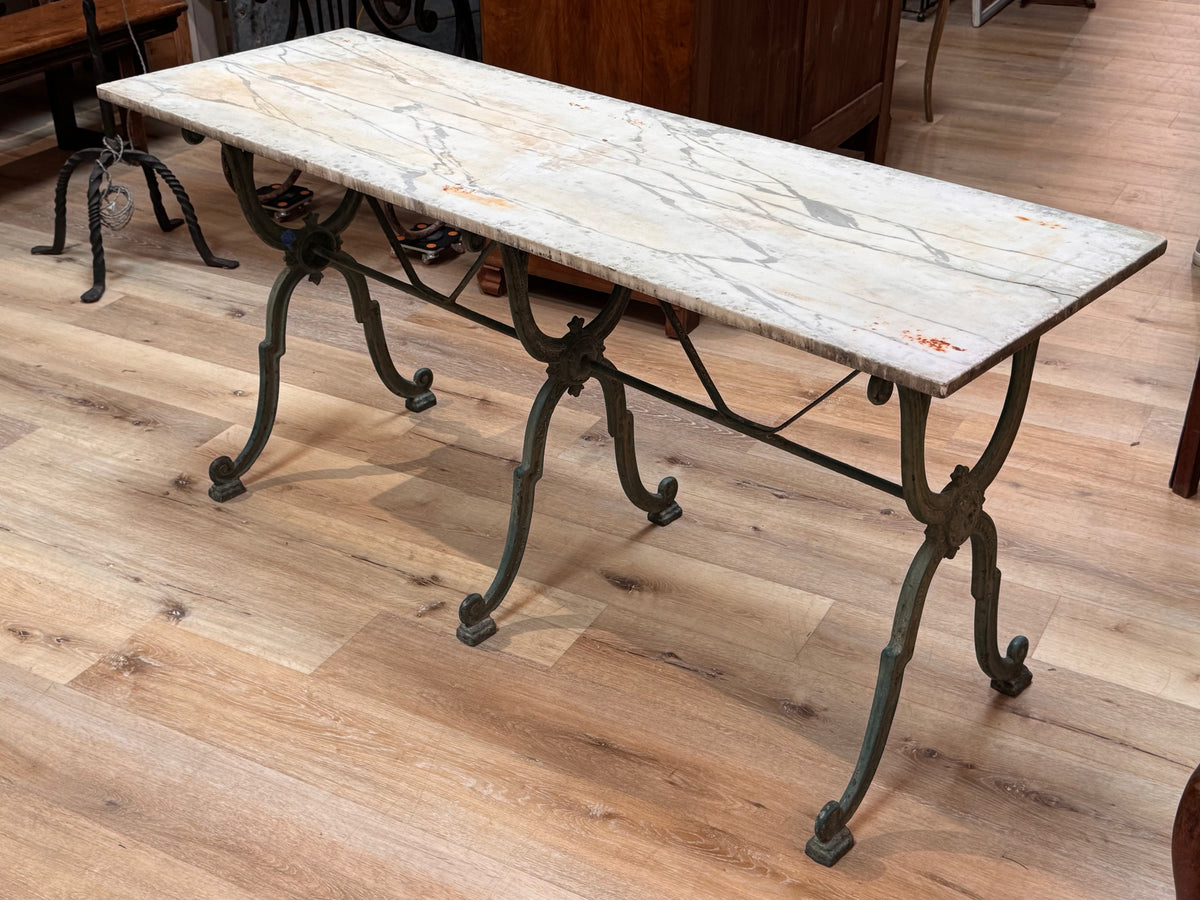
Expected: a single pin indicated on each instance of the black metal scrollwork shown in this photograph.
(389, 18)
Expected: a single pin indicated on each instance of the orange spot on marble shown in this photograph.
(941, 345)
(1043, 223)
(470, 194)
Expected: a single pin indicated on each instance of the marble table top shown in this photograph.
(918, 281)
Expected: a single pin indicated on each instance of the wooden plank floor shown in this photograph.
(265, 699)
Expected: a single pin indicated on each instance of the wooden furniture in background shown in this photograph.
(1185, 475)
(1185, 841)
(817, 72)
(1090, 4)
(51, 38)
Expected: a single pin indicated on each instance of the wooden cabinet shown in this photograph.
(818, 72)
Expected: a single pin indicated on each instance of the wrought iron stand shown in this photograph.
(951, 516)
(105, 157)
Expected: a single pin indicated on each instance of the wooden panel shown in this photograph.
(520, 35)
(855, 115)
(591, 44)
(751, 54)
(779, 69)
(621, 48)
(170, 50)
(48, 28)
(599, 47)
(837, 31)
(668, 60)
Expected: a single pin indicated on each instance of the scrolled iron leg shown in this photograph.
(96, 291)
(570, 361)
(416, 393)
(165, 222)
(831, 835)
(1009, 673)
(60, 202)
(475, 613)
(660, 507)
(149, 165)
(148, 162)
(226, 473)
(951, 516)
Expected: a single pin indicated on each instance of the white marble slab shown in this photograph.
(918, 281)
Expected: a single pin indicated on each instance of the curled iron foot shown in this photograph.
(420, 402)
(481, 625)
(831, 839)
(1018, 648)
(225, 484)
(667, 489)
(422, 381)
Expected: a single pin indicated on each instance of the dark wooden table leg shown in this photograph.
(1185, 842)
(60, 89)
(1185, 475)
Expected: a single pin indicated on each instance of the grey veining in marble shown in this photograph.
(919, 281)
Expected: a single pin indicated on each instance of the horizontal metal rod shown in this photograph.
(728, 416)
(766, 436)
(734, 423)
(775, 429)
(348, 263)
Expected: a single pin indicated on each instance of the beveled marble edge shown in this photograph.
(819, 212)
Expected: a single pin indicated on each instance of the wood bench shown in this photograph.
(50, 38)
(919, 284)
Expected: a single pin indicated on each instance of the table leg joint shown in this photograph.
(308, 252)
(571, 360)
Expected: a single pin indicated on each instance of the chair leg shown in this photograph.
(148, 162)
(96, 291)
(935, 40)
(60, 202)
(1185, 474)
(1185, 842)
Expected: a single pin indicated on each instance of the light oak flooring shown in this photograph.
(265, 699)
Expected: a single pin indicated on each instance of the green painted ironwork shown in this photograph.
(952, 516)
(570, 361)
(308, 251)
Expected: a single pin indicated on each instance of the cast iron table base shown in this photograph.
(952, 516)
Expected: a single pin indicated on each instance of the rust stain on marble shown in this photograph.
(470, 194)
(941, 345)
(1041, 222)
